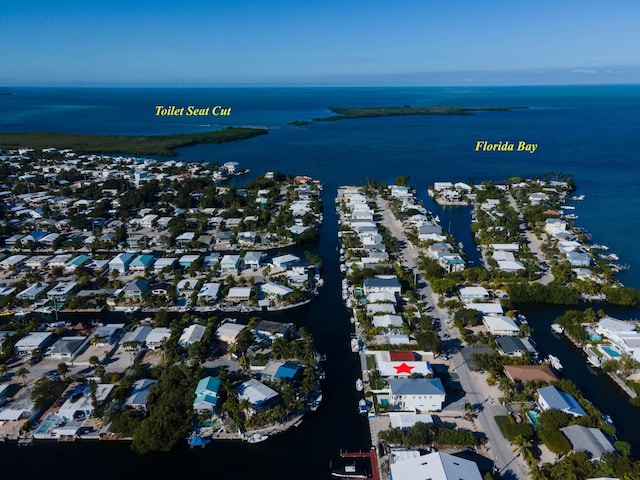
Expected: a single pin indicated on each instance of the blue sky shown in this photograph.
(222, 42)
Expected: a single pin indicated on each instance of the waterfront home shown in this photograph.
(76, 262)
(469, 294)
(239, 294)
(253, 260)
(272, 330)
(187, 260)
(209, 292)
(190, 335)
(436, 466)
(37, 261)
(382, 283)
(60, 292)
(511, 346)
(80, 404)
(33, 341)
(589, 440)
(431, 232)
(417, 394)
(33, 291)
(551, 397)
(59, 260)
(578, 259)
(451, 262)
(554, 226)
(283, 261)
(207, 395)
(136, 288)
(529, 373)
(259, 396)
(230, 264)
(500, 325)
(298, 272)
(12, 262)
(486, 308)
(140, 389)
(401, 363)
(186, 287)
(164, 262)
(120, 263)
(276, 370)
(387, 321)
(141, 263)
(227, 332)
(381, 308)
(67, 348)
(623, 335)
(275, 290)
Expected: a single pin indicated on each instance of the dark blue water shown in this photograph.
(589, 132)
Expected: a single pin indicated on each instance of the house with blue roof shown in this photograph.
(551, 397)
(280, 370)
(207, 395)
(120, 263)
(416, 394)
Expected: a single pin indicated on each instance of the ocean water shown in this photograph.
(589, 132)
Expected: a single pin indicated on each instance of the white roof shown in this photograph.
(192, 334)
(474, 291)
(32, 340)
(209, 290)
(382, 297)
(157, 335)
(500, 323)
(164, 262)
(255, 392)
(508, 266)
(407, 419)
(271, 288)
(390, 369)
(239, 292)
(486, 308)
(387, 321)
(435, 466)
(229, 330)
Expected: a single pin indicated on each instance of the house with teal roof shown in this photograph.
(141, 263)
(207, 395)
(76, 262)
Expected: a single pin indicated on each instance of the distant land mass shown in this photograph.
(344, 113)
(161, 145)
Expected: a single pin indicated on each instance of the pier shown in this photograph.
(373, 457)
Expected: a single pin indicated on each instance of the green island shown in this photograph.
(161, 145)
(344, 113)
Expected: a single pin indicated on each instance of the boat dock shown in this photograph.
(373, 458)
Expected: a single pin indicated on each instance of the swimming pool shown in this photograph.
(609, 351)
(48, 424)
(533, 416)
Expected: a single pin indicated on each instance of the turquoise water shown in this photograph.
(533, 416)
(609, 351)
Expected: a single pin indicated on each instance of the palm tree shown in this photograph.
(63, 369)
(22, 373)
(4, 369)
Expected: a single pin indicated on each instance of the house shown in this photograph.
(272, 330)
(271, 289)
(396, 363)
(486, 308)
(207, 395)
(148, 220)
(61, 290)
(578, 259)
(136, 288)
(32, 292)
(120, 263)
(386, 283)
(381, 297)
(239, 294)
(79, 404)
(259, 396)
(136, 337)
(108, 334)
(33, 341)
(209, 292)
(37, 261)
(554, 226)
(76, 262)
(418, 394)
(141, 263)
(187, 260)
(227, 332)
(589, 440)
(186, 287)
(276, 370)
(192, 334)
(252, 260)
(470, 294)
(230, 264)
(381, 308)
(387, 321)
(211, 259)
(12, 262)
(156, 337)
(283, 261)
(511, 346)
(139, 393)
(164, 262)
(67, 347)
(551, 397)
(435, 466)
(500, 325)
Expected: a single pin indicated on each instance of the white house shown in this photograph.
(156, 337)
(283, 261)
(469, 294)
(209, 292)
(257, 394)
(418, 394)
(33, 341)
(553, 226)
(500, 325)
(381, 283)
(435, 466)
(192, 334)
(230, 264)
(271, 289)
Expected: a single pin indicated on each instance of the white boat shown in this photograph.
(350, 471)
(316, 403)
(359, 385)
(21, 313)
(555, 362)
(557, 328)
(355, 345)
(257, 438)
(362, 407)
(577, 198)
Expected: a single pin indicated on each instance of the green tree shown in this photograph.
(22, 373)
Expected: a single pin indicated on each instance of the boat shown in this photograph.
(21, 313)
(557, 328)
(350, 471)
(577, 198)
(257, 438)
(355, 345)
(555, 362)
(316, 403)
(362, 407)
(359, 385)
(5, 313)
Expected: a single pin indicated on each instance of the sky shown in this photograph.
(309, 42)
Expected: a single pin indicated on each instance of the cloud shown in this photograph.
(584, 71)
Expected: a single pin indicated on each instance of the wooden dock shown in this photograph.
(373, 458)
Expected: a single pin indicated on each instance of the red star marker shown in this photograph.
(403, 368)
